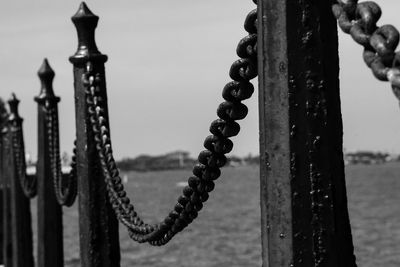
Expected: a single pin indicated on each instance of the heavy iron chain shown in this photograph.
(28, 182)
(210, 161)
(65, 185)
(6, 148)
(380, 43)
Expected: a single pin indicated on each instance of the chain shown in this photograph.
(65, 185)
(28, 182)
(209, 161)
(6, 150)
(359, 20)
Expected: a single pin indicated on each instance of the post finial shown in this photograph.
(13, 103)
(46, 76)
(45, 71)
(86, 22)
(83, 11)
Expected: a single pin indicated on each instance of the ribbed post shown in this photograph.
(4, 217)
(50, 229)
(99, 237)
(2, 190)
(20, 205)
(305, 218)
(5, 176)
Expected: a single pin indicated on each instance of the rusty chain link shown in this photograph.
(209, 161)
(380, 43)
(28, 182)
(65, 185)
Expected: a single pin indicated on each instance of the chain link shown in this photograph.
(65, 185)
(209, 161)
(28, 182)
(380, 43)
(6, 149)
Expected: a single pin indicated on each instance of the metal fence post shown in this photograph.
(99, 237)
(2, 232)
(21, 222)
(4, 187)
(50, 229)
(7, 243)
(303, 196)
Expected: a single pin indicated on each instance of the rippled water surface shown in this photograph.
(227, 232)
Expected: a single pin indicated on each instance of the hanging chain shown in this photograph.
(209, 161)
(28, 182)
(65, 185)
(380, 43)
(6, 148)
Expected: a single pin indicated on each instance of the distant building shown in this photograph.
(366, 157)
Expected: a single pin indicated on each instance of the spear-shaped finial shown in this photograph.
(45, 72)
(46, 76)
(84, 12)
(13, 103)
(86, 22)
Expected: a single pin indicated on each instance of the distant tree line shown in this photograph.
(182, 160)
(175, 160)
(247, 160)
(369, 157)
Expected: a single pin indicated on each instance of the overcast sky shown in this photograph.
(168, 62)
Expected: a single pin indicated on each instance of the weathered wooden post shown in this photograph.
(99, 237)
(21, 222)
(50, 229)
(305, 219)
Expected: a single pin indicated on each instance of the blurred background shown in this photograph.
(168, 62)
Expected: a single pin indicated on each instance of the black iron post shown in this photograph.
(21, 222)
(3, 188)
(50, 229)
(5, 176)
(5, 171)
(4, 216)
(99, 237)
(305, 218)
